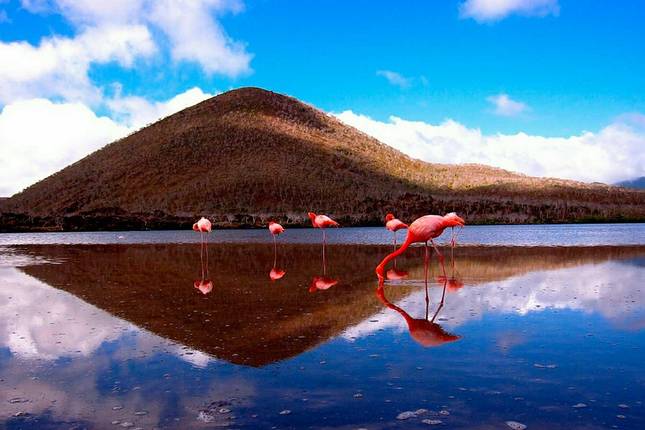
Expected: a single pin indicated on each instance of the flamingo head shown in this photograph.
(195, 227)
(453, 220)
(312, 216)
(389, 217)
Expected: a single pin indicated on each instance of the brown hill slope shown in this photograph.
(250, 154)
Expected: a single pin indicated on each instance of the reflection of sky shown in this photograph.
(609, 289)
(74, 363)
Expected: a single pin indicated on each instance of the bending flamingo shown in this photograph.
(394, 225)
(423, 230)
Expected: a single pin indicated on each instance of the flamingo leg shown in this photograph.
(425, 276)
(206, 246)
(443, 296)
(275, 251)
(441, 258)
(201, 252)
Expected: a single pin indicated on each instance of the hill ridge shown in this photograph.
(250, 154)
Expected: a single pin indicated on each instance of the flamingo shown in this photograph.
(394, 225)
(423, 230)
(275, 229)
(203, 226)
(322, 222)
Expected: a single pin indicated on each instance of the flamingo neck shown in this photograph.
(381, 267)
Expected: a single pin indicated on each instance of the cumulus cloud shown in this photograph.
(395, 78)
(39, 137)
(138, 111)
(190, 27)
(58, 66)
(612, 154)
(495, 10)
(505, 106)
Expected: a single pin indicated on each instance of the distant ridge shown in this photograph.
(249, 154)
(637, 184)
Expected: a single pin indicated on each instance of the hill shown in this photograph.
(248, 155)
(637, 184)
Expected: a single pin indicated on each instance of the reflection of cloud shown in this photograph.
(46, 323)
(41, 324)
(607, 289)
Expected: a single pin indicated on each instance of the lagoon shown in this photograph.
(105, 334)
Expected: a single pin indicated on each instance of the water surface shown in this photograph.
(126, 336)
(515, 235)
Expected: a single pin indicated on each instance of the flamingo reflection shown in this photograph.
(395, 274)
(323, 282)
(453, 283)
(424, 331)
(204, 285)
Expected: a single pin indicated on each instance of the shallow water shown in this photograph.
(139, 336)
(515, 235)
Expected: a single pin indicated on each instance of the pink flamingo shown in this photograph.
(423, 230)
(322, 222)
(394, 225)
(275, 229)
(203, 226)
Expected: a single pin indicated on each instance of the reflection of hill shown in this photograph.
(247, 319)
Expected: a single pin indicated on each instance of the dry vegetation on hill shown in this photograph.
(249, 154)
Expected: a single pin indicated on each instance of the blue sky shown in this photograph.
(543, 68)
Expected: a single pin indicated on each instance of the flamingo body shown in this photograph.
(275, 228)
(394, 224)
(321, 221)
(203, 225)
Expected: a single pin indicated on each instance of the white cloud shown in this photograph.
(195, 36)
(39, 137)
(614, 153)
(505, 106)
(495, 10)
(137, 112)
(190, 27)
(58, 66)
(395, 78)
